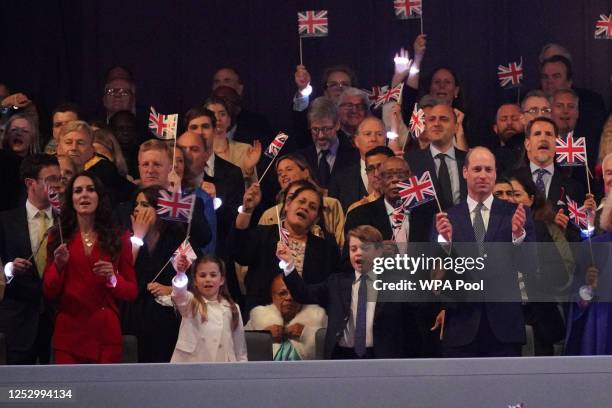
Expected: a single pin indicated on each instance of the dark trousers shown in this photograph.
(347, 353)
(485, 344)
(40, 352)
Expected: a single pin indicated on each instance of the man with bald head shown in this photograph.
(351, 183)
(489, 328)
(441, 158)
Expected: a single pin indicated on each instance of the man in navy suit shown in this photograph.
(480, 326)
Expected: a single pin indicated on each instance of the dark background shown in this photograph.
(57, 50)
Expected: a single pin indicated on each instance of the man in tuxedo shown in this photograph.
(351, 183)
(358, 327)
(24, 318)
(327, 156)
(441, 159)
(478, 326)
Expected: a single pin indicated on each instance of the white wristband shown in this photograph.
(136, 241)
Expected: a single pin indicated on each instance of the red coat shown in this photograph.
(87, 315)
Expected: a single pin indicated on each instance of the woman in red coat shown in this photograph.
(88, 273)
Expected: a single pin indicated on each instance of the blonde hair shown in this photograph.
(198, 304)
(154, 144)
(606, 214)
(605, 144)
(106, 138)
(34, 146)
(76, 126)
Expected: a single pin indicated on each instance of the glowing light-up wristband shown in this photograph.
(241, 211)
(8, 272)
(136, 241)
(586, 293)
(180, 280)
(217, 202)
(392, 135)
(306, 91)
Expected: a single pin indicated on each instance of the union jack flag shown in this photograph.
(393, 94)
(283, 234)
(405, 9)
(174, 206)
(184, 249)
(54, 199)
(510, 76)
(603, 27)
(375, 93)
(571, 152)
(578, 215)
(417, 191)
(417, 121)
(398, 215)
(312, 23)
(163, 126)
(276, 145)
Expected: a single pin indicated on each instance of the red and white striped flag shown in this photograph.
(571, 152)
(184, 249)
(312, 23)
(417, 190)
(393, 94)
(405, 9)
(284, 234)
(417, 121)
(510, 76)
(578, 215)
(603, 27)
(163, 126)
(54, 199)
(276, 145)
(174, 206)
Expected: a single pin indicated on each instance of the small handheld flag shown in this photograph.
(603, 27)
(184, 249)
(375, 93)
(174, 206)
(578, 215)
(417, 190)
(417, 121)
(54, 199)
(393, 94)
(276, 145)
(510, 76)
(312, 23)
(163, 126)
(405, 9)
(571, 152)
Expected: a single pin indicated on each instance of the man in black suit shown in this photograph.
(76, 141)
(327, 156)
(482, 325)
(358, 327)
(351, 183)
(441, 159)
(24, 319)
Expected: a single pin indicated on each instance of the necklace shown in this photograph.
(89, 242)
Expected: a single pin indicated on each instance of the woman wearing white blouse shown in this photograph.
(211, 329)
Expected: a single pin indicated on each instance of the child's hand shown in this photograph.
(182, 263)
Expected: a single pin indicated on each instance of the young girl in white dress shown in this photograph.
(211, 328)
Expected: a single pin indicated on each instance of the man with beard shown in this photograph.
(351, 183)
(508, 128)
(293, 326)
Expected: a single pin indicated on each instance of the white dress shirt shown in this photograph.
(348, 337)
(210, 166)
(547, 178)
(364, 175)
(453, 169)
(403, 234)
(34, 224)
(486, 215)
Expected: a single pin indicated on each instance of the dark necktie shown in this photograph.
(445, 182)
(540, 180)
(360, 319)
(479, 227)
(323, 171)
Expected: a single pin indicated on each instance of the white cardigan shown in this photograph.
(212, 340)
(312, 317)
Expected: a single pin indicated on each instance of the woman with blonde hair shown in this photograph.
(22, 136)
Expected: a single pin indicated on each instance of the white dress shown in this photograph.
(212, 340)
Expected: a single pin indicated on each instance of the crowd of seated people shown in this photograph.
(86, 258)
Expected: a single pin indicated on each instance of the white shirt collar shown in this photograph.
(488, 202)
(210, 164)
(389, 207)
(550, 168)
(31, 210)
(434, 152)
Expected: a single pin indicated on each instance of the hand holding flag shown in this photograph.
(186, 250)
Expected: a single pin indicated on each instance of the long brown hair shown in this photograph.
(198, 303)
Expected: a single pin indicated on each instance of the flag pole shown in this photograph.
(59, 227)
(301, 61)
(191, 215)
(280, 236)
(421, 18)
(586, 168)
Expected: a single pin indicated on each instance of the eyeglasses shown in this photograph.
(535, 111)
(355, 106)
(51, 179)
(372, 167)
(325, 130)
(400, 174)
(337, 84)
(118, 92)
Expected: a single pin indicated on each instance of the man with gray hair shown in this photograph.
(326, 156)
(352, 110)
